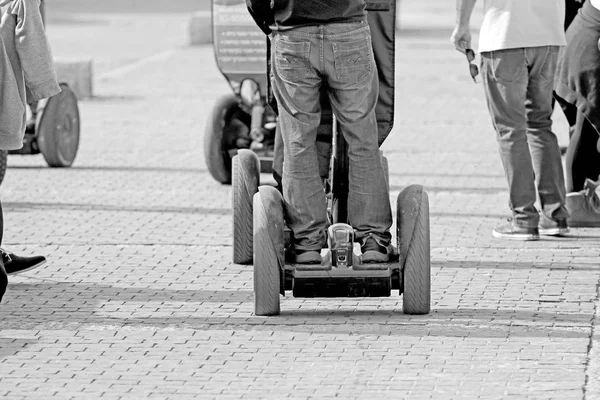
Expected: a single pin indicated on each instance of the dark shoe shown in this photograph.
(373, 252)
(511, 231)
(308, 257)
(551, 227)
(16, 264)
(584, 206)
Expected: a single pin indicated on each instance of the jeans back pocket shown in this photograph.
(507, 66)
(353, 60)
(292, 60)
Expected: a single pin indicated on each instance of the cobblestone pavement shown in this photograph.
(140, 299)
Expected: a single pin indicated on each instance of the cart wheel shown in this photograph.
(245, 179)
(58, 129)
(414, 248)
(268, 250)
(226, 123)
(3, 163)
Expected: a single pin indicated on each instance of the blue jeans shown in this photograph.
(518, 86)
(340, 57)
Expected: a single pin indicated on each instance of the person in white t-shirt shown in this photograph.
(519, 43)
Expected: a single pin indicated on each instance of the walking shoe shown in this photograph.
(584, 206)
(16, 264)
(552, 227)
(511, 231)
(373, 252)
(308, 257)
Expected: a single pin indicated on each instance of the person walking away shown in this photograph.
(577, 90)
(519, 43)
(27, 74)
(315, 44)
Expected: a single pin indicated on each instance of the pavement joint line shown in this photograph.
(125, 69)
(591, 386)
(107, 244)
(462, 249)
(254, 323)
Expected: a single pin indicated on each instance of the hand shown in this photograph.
(461, 38)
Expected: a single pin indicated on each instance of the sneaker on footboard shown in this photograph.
(373, 252)
(308, 257)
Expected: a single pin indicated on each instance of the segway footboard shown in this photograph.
(374, 280)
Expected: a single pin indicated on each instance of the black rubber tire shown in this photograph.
(3, 164)
(417, 267)
(245, 179)
(268, 250)
(216, 140)
(59, 129)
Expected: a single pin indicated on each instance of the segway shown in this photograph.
(342, 273)
(55, 132)
(239, 120)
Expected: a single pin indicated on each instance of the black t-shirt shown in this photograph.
(294, 13)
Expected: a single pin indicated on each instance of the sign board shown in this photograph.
(240, 46)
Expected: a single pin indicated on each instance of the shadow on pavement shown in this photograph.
(461, 189)
(117, 168)
(21, 206)
(10, 347)
(63, 305)
(592, 266)
(444, 175)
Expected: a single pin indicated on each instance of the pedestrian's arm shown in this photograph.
(34, 51)
(461, 36)
(262, 13)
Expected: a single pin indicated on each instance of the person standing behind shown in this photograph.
(519, 43)
(577, 90)
(315, 44)
(27, 74)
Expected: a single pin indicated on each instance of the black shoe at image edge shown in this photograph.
(14, 264)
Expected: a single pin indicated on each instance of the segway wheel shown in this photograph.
(3, 164)
(245, 179)
(59, 128)
(268, 250)
(225, 125)
(417, 263)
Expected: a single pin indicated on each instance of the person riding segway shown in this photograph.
(317, 43)
(325, 77)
